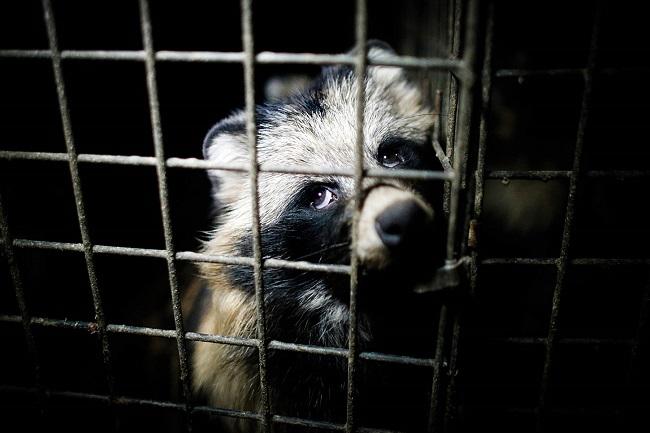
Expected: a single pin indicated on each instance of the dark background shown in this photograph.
(533, 126)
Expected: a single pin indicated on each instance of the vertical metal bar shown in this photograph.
(437, 370)
(249, 87)
(563, 260)
(460, 148)
(17, 280)
(154, 108)
(486, 93)
(78, 195)
(360, 69)
(455, 21)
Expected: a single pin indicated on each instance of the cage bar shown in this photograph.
(170, 256)
(193, 163)
(433, 63)
(361, 63)
(451, 409)
(251, 133)
(220, 339)
(461, 139)
(458, 126)
(71, 150)
(231, 413)
(25, 317)
(563, 261)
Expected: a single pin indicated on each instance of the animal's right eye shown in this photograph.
(321, 197)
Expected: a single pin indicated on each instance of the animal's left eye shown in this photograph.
(391, 158)
(322, 197)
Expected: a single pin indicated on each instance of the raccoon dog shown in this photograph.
(308, 218)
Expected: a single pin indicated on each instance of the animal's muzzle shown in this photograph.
(402, 224)
(394, 223)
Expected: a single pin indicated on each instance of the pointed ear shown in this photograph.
(226, 143)
(383, 75)
(376, 49)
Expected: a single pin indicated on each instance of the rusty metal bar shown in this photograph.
(562, 72)
(361, 63)
(563, 261)
(461, 139)
(451, 410)
(87, 248)
(25, 316)
(191, 256)
(581, 261)
(170, 256)
(193, 163)
(546, 175)
(160, 404)
(219, 339)
(251, 133)
(239, 57)
(303, 348)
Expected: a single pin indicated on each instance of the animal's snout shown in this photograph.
(401, 224)
(394, 223)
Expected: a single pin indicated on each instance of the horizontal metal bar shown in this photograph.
(266, 57)
(564, 174)
(219, 339)
(518, 261)
(583, 261)
(292, 347)
(161, 404)
(528, 174)
(193, 163)
(134, 330)
(398, 359)
(301, 265)
(516, 73)
(307, 423)
(559, 72)
(183, 255)
(130, 401)
(561, 340)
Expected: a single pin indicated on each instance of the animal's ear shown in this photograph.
(376, 49)
(387, 75)
(226, 143)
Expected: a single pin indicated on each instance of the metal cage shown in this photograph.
(471, 32)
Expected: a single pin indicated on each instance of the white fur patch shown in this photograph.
(393, 107)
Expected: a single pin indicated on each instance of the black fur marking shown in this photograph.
(416, 155)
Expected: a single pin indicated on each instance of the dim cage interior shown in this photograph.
(553, 333)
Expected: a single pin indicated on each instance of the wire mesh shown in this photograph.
(461, 66)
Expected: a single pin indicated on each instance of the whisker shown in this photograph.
(331, 247)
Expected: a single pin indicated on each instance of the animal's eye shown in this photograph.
(322, 197)
(391, 158)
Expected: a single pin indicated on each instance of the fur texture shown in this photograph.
(314, 128)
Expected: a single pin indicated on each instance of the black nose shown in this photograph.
(402, 224)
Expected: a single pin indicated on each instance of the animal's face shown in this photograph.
(308, 217)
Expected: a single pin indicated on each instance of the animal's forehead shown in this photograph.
(319, 129)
